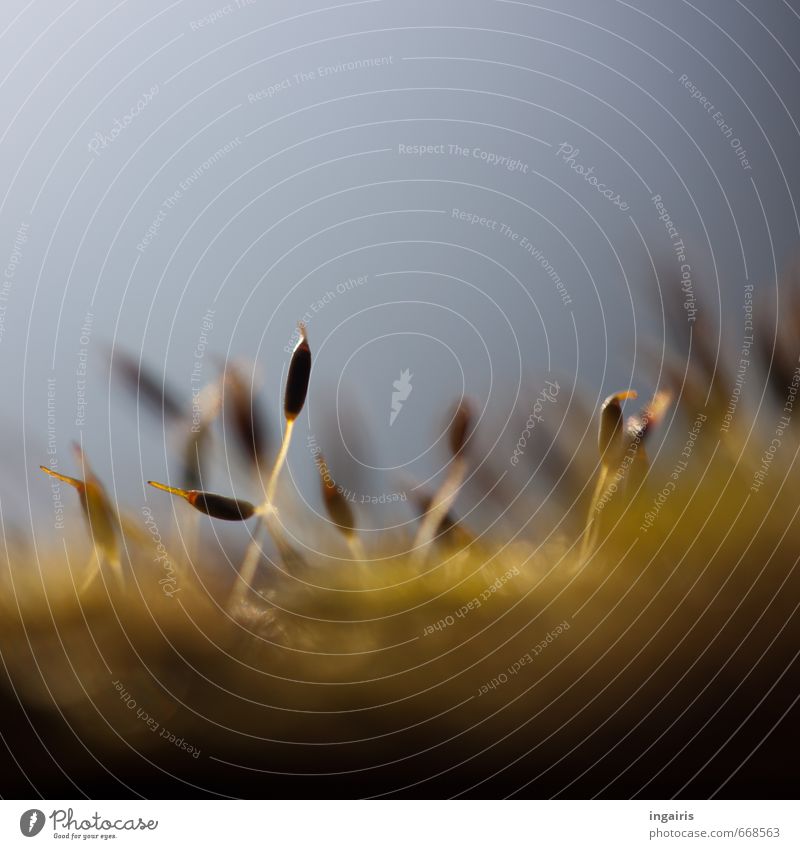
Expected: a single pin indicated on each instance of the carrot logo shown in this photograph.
(400, 395)
(31, 822)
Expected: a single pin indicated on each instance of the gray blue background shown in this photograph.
(314, 191)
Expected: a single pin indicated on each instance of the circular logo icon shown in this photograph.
(31, 822)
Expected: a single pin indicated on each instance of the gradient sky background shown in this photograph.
(308, 187)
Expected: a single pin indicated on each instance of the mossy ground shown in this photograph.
(676, 673)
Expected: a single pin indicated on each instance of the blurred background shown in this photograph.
(487, 195)
(529, 205)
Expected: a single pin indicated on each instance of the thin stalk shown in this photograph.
(356, 548)
(92, 571)
(94, 566)
(589, 527)
(272, 484)
(294, 397)
(610, 446)
(440, 507)
(247, 571)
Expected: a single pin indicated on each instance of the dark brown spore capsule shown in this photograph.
(610, 425)
(249, 427)
(147, 386)
(336, 504)
(297, 379)
(339, 510)
(220, 507)
(611, 422)
(460, 428)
